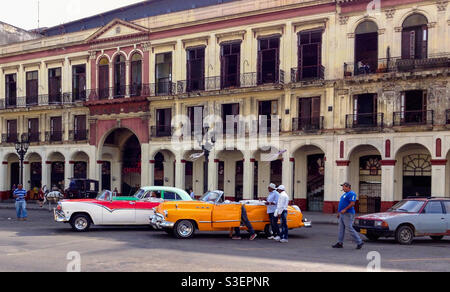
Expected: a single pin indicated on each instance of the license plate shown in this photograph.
(363, 231)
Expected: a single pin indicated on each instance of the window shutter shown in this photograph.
(406, 43)
(424, 42)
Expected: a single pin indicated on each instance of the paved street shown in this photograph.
(42, 245)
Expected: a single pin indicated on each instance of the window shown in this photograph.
(33, 130)
(414, 107)
(103, 79)
(80, 132)
(230, 64)
(267, 109)
(310, 55)
(365, 110)
(32, 88)
(170, 196)
(79, 82)
(136, 75)
(195, 115)
(11, 90)
(433, 207)
(447, 206)
(195, 69)
(309, 113)
(230, 114)
(268, 60)
(164, 122)
(56, 129)
(366, 48)
(119, 76)
(11, 131)
(164, 73)
(54, 86)
(415, 37)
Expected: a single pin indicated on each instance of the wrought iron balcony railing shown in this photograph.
(79, 135)
(54, 136)
(412, 118)
(396, 64)
(160, 131)
(307, 73)
(370, 120)
(307, 124)
(10, 138)
(33, 137)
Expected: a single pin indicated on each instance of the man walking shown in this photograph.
(282, 213)
(21, 205)
(272, 201)
(347, 216)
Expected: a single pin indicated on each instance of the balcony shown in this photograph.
(310, 73)
(307, 124)
(34, 137)
(10, 138)
(54, 136)
(161, 131)
(364, 121)
(42, 100)
(397, 64)
(414, 118)
(78, 135)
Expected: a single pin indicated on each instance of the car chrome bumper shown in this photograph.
(59, 216)
(158, 222)
(307, 224)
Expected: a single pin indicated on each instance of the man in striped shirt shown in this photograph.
(21, 205)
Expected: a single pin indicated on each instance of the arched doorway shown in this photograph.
(414, 169)
(164, 173)
(309, 178)
(13, 174)
(57, 170)
(80, 165)
(415, 37)
(365, 177)
(123, 164)
(35, 162)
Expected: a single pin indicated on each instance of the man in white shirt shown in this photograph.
(282, 212)
(272, 201)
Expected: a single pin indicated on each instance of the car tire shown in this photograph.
(372, 237)
(437, 238)
(404, 235)
(268, 231)
(81, 223)
(184, 229)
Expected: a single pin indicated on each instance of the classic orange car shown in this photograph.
(213, 213)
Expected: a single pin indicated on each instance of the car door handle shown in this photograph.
(132, 203)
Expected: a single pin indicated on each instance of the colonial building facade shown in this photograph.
(350, 91)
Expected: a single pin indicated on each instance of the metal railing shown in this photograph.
(10, 138)
(369, 120)
(407, 118)
(79, 135)
(54, 136)
(33, 137)
(307, 124)
(160, 131)
(307, 73)
(396, 64)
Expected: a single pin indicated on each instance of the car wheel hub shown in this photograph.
(405, 235)
(81, 223)
(185, 229)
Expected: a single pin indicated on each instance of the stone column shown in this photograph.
(151, 172)
(213, 168)
(68, 173)
(26, 175)
(387, 184)
(438, 177)
(3, 176)
(46, 174)
(288, 175)
(180, 170)
(249, 177)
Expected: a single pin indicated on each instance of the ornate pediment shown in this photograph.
(117, 29)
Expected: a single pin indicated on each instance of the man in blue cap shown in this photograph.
(346, 216)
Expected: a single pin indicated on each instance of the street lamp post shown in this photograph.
(206, 148)
(22, 148)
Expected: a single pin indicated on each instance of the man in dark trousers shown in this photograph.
(346, 216)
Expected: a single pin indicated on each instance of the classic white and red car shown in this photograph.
(108, 209)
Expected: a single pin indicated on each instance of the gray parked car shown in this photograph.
(410, 218)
